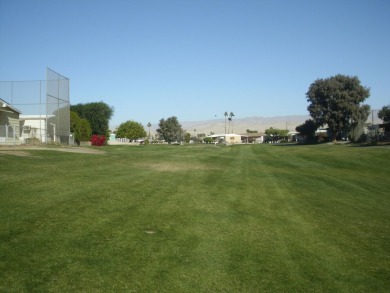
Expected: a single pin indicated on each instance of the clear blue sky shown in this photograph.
(152, 59)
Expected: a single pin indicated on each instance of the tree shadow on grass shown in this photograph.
(287, 144)
(297, 144)
(372, 144)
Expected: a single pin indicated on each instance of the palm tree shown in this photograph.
(231, 119)
(149, 128)
(226, 114)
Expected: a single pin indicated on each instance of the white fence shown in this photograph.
(16, 135)
(9, 135)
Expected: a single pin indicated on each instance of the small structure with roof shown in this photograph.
(229, 138)
(37, 128)
(253, 137)
(9, 124)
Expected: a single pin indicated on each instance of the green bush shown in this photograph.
(32, 140)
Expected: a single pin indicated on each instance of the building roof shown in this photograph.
(6, 107)
(385, 125)
(223, 135)
(253, 135)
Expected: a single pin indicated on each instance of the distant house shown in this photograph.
(230, 138)
(9, 124)
(385, 130)
(252, 137)
(35, 127)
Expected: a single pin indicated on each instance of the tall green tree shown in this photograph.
(80, 128)
(357, 126)
(171, 130)
(131, 130)
(98, 115)
(187, 137)
(276, 132)
(308, 130)
(384, 113)
(337, 102)
(149, 125)
(225, 114)
(231, 115)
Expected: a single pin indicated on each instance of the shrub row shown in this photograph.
(98, 140)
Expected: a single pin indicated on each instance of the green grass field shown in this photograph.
(196, 218)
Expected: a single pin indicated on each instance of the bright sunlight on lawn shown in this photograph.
(200, 218)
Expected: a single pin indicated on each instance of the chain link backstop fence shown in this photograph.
(44, 108)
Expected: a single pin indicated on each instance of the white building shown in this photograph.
(35, 127)
(230, 138)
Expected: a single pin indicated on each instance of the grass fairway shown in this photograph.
(199, 218)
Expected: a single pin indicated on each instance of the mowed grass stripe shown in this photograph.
(196, 218)
(339, 202)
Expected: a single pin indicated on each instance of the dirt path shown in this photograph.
(20, 149)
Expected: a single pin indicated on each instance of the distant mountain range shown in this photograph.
(240, 125)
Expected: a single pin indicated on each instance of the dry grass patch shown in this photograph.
(172, 167)
(15, 153)
(82, 150)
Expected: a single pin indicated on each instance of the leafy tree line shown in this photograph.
(384, 113)
(336, 102)
(308, 130)
(171, 130)
(98, 114)
(80, 128)
(131, 130)
(276, 132)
